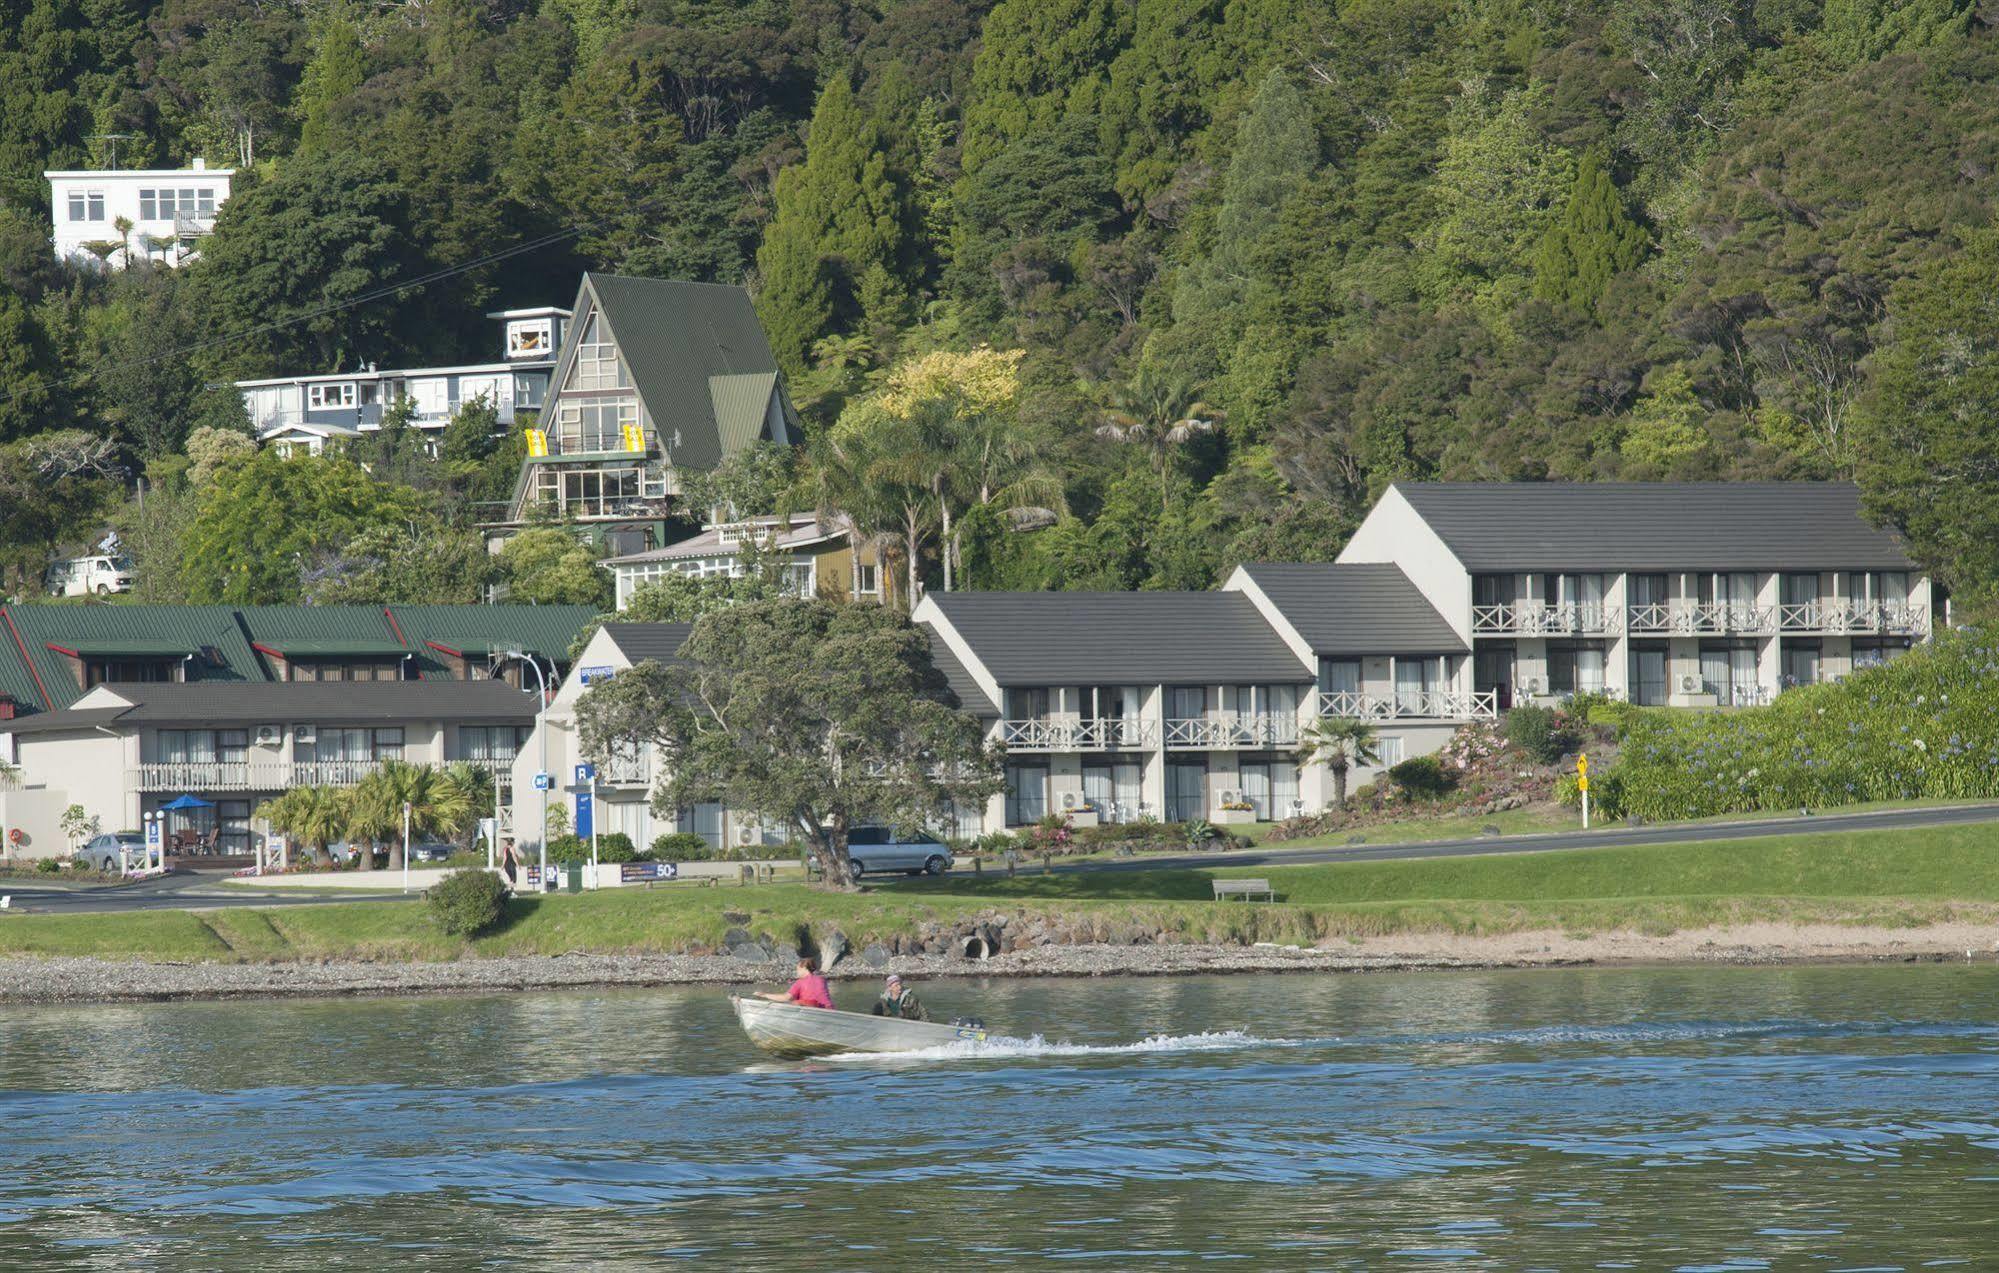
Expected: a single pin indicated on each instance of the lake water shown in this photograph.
(1712, 1119)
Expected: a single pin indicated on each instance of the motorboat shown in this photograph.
(792, 1030)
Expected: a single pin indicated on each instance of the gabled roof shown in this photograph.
(38, 644)
(1533, 526)
(1120, 638)
(697, 356)
(659, 642)
(964, 689)
(1355, 609)
(475, 632)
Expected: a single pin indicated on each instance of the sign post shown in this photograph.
(586, 811)
(1582, 785)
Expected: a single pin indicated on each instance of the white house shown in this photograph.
(166, 212)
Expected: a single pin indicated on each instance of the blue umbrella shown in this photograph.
(187, 802)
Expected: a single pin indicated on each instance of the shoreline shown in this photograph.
(53, 980)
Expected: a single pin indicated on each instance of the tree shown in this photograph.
(29, 397)
(53, 488)
(806, 715)
(1340, 742)
(262, 519)
(843, 213)
(1160, 414)
(752, 482)
(1856, 31)
(1927, 437)
(316, 815)
(336, 69)
(1497, 187)
(439, 805)
(548, 565)
(1038, 62)
(1666, 431)
(422, 562)
(1595, 240)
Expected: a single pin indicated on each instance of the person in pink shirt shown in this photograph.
(809, 991)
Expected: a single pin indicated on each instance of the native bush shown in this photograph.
(568, 848)
(1923, 727)
(1606, 794)
(467, 903)
(1423, 777)
(1541, 732)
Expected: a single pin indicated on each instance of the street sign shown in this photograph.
(1582, 782)
(1582, 765)
(586, 773)
(543, 783)
(586, 814)
(596, 672)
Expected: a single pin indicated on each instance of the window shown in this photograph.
(597, 363)
(1187, 702)
(1575, 669)
(529, 338)
(1027, 704)
(345, 669)
(1270, 787)
(128, 671)
(86, 205)
(1389, 747)
(1416, 681)
(149, 205)
(1493, 590)
(1113, 789)
(601, 492)
(1877, 653)
(1646, 590)
(1339, 676)
(1648, 673)
(1729, 673)
(868, 580)
(1186, 790)
(431, 397)
(320, 396)
(1026, 793)
(355, 745)
(1801, 662)
(594, 426)
(704, 820)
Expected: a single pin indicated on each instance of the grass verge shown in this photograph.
(1898, 879)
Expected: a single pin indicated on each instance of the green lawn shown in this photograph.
(1894, 878)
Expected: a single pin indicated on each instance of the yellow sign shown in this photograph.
(1582, 764)
(537, 443)
(635, 437)
(1582, 782)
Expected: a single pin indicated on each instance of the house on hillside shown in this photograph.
(123, 709)
(166, 211)
(653, 377)
(818, 554)
(302, 414)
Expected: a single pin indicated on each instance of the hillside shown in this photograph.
(1393, 238)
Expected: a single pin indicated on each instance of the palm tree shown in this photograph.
(1159, 414)
(315, 815)
(439, 805)
(1340, 742)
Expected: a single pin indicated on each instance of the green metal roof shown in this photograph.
(222, 639)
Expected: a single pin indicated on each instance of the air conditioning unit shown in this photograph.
(1068, 800)
(305, 734)
(1533, 685)
(270, 735)
(1690, 685)
(1297, 808)
(1231, 797)
(744, 836)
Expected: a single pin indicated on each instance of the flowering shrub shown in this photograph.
(1472, 745)
(1923, 727)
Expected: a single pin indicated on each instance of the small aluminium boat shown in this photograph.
(788, 1030)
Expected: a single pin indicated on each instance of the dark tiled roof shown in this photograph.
(304, 702)
(1120, 638)
(659, 642)
(698, 357)
(963, 688)
(223, 639)
(1355, 609)
(1494, 526)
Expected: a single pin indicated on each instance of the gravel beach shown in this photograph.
(73, 980)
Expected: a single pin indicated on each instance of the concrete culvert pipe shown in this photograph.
(975, 947)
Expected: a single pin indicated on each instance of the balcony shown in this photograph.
(1411, 705)
(1230, 730)
(1700, 618)
(1840, 617)
(1534, 618)
(1074, 734)
(625, 771)
(248, 775)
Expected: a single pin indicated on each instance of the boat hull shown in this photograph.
(788, 1030)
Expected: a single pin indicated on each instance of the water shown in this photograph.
(1713, 1119)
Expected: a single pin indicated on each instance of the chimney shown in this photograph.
(7, 707)
(200, 164)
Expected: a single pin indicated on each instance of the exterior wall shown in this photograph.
(117, 195)
(1394, 533)
(58, 770)
(438, 393)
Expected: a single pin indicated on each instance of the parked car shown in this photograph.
(101, 575)
(108, 852)
(431, 852)
(883, 849)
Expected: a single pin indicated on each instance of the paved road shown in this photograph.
(195, 890)
(185, 890)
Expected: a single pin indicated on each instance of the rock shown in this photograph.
(832, 949)
(749, 952)
(1356, 839)
(1488, 829)
(876, 954)
(735, 936)
(735, 917)
(784, 953)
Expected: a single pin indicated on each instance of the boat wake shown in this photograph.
(1003, 1047)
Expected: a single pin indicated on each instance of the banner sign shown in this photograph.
(642, 872)
(586, 814)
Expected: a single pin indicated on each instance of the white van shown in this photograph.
(88, 576)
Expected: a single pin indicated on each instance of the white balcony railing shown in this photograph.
(1534, 618)
(249, 775)
(1076, 734)
(1838, 615)
(1699, 618)
(1233, 730)
(626, 771)
(1411, 705)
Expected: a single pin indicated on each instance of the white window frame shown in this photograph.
(867, 579)
(330, 397)
(1389, 748)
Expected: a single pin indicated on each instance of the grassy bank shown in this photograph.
(1896, 879)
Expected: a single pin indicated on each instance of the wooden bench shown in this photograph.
(1245, 889)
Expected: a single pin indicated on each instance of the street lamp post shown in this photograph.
(406, 846)
(541, 765)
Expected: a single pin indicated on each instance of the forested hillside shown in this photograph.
(1360, 242)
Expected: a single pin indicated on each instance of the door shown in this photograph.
(1186, 791)
(1256, 787)
(1026, 794)
(1714, 672)
(1648, 675)
(1099, 791)
(1492, 672)
(1742, 675)
(1801, 663)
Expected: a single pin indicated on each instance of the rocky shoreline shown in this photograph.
(85, 980)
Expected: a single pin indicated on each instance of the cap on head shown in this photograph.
(894, 979)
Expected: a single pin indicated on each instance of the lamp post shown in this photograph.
(406, 846)
(541, 764)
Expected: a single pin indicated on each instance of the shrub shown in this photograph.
(47, 866)
(1606, 794)
(467, 903)
(686, 846)
(1538, 731)
(616, 847)
(568, 848)
(1423, 777)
